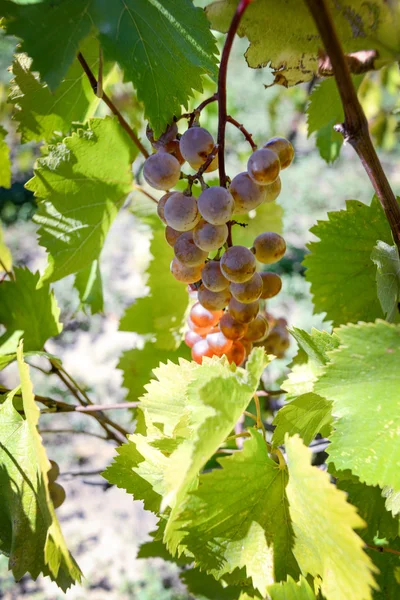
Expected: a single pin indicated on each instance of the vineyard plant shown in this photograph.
(284, 487)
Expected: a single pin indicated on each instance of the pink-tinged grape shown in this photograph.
(263, 166)
(195, 145)
(248, 346)
(187, 252)
(272, 285)
(244, 313)
(238, 264)
(202, 317)
(272, 190)
(161, 204)
(57, 494)
(257, 329)
(200, 350)
(283, 148)
(185, 273)
(269, 247)
(248, 291)
(200, 330)
(232, 329)
(162, 170)
(180, 212)
(53, 472)
(216, 205)
(209, 237)
(246, 193)
(171, 235)
(191, 338)
(237, 353)
(212, 277)
(218, 343)
(213, 300)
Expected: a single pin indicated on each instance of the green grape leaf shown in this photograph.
(291, 590)
(326, 545)
(30, 534)
(5, 163)
(343, 255)
(329, 142)
(388, 577)
(57, 24)
(203, 586)
(24, 308)
(5, 254)
(392, 498)
(267, 217)
(79, 187)
(363, 381)
(292, 44)
(316, 344)
(238, 517)
(40, 112)
(90, 287)
(306, 415)
(387, 260)
(160, 314)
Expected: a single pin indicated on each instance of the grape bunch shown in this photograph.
(223, 280)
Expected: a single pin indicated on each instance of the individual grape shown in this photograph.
(203, 317)
(218, 343)
(171, 235)
(213, 300)
(244, 313)
(216, 205)
(277, 342)
(283, 148)
(180, 212)
(57, 494)
(174, 149)
(209, 237)
(192, 292)
(191, 338)
(187, 252)
(161, 204)
(162, 170)
(53, 472)
(238, 264)
(237, 353)
(195, 145)
(213, 166)
(185, 273)
(246, 193)
(200, 350)
(212, 277)
(272, 190)
(272, 284)
(232, 329)
(248, 346)
(269, 247)
(200, 330)
(263, 166)
(248, 291)
(257, 329)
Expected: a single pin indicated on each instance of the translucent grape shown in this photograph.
(216, 205)
(218, 343)
(191, 338)
(257, 329)
(200, 330)
(212, 277)
(249, 291)
(162, 170)
(238, 264)
(161, 204)
(187, 252)
(272, 285)
(283, 148)
(180, 212)
(269, 247)
(185, 273)
(203, 317)
(195, 145)
(171, 235)
(272, 190)
(237, 353)
(213, 300)
(248, 346)
(213, 166)
(53, 472)
(231, 328)
(209, 237)
(244, 313)
(263, 166)
(200, 350)
(246, 193)
(57, 494)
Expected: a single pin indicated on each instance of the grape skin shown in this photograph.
(269, 247)
(161, 204)
(197, 329)
(246, 193)
(257, 329)
(57, 494)
(201, 349)
(263, 166)
(162, 170)
(209, 237)
(238, 264)
(203, 317)
(249, 291)
(195, 145)
(216, 205)
(180, 212)
(232, 329)
(191, 338)
(273, 190)
(213, 300)
(171, 235)
(272, 284)
(237, 353)
(218, 343)
(53, 472)
(244, 313)
(213, 278)
(283, 148)
(184, 273)
(187, 252)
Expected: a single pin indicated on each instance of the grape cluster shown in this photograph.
(57, 492)
(226, 287)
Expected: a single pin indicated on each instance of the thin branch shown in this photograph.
(247, 134)
(96, 407)
(111, 106)
(355, 126)
(74, 432)
(383, 549)
(222, 114)
(193, 116)
(270, 392)
(204, 166)
(6, 271)
(143, 191)
(71, 474)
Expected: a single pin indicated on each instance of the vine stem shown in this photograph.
(247, 134)
(222, 114)
(355, 127)
(95, 87)
(383, 549)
